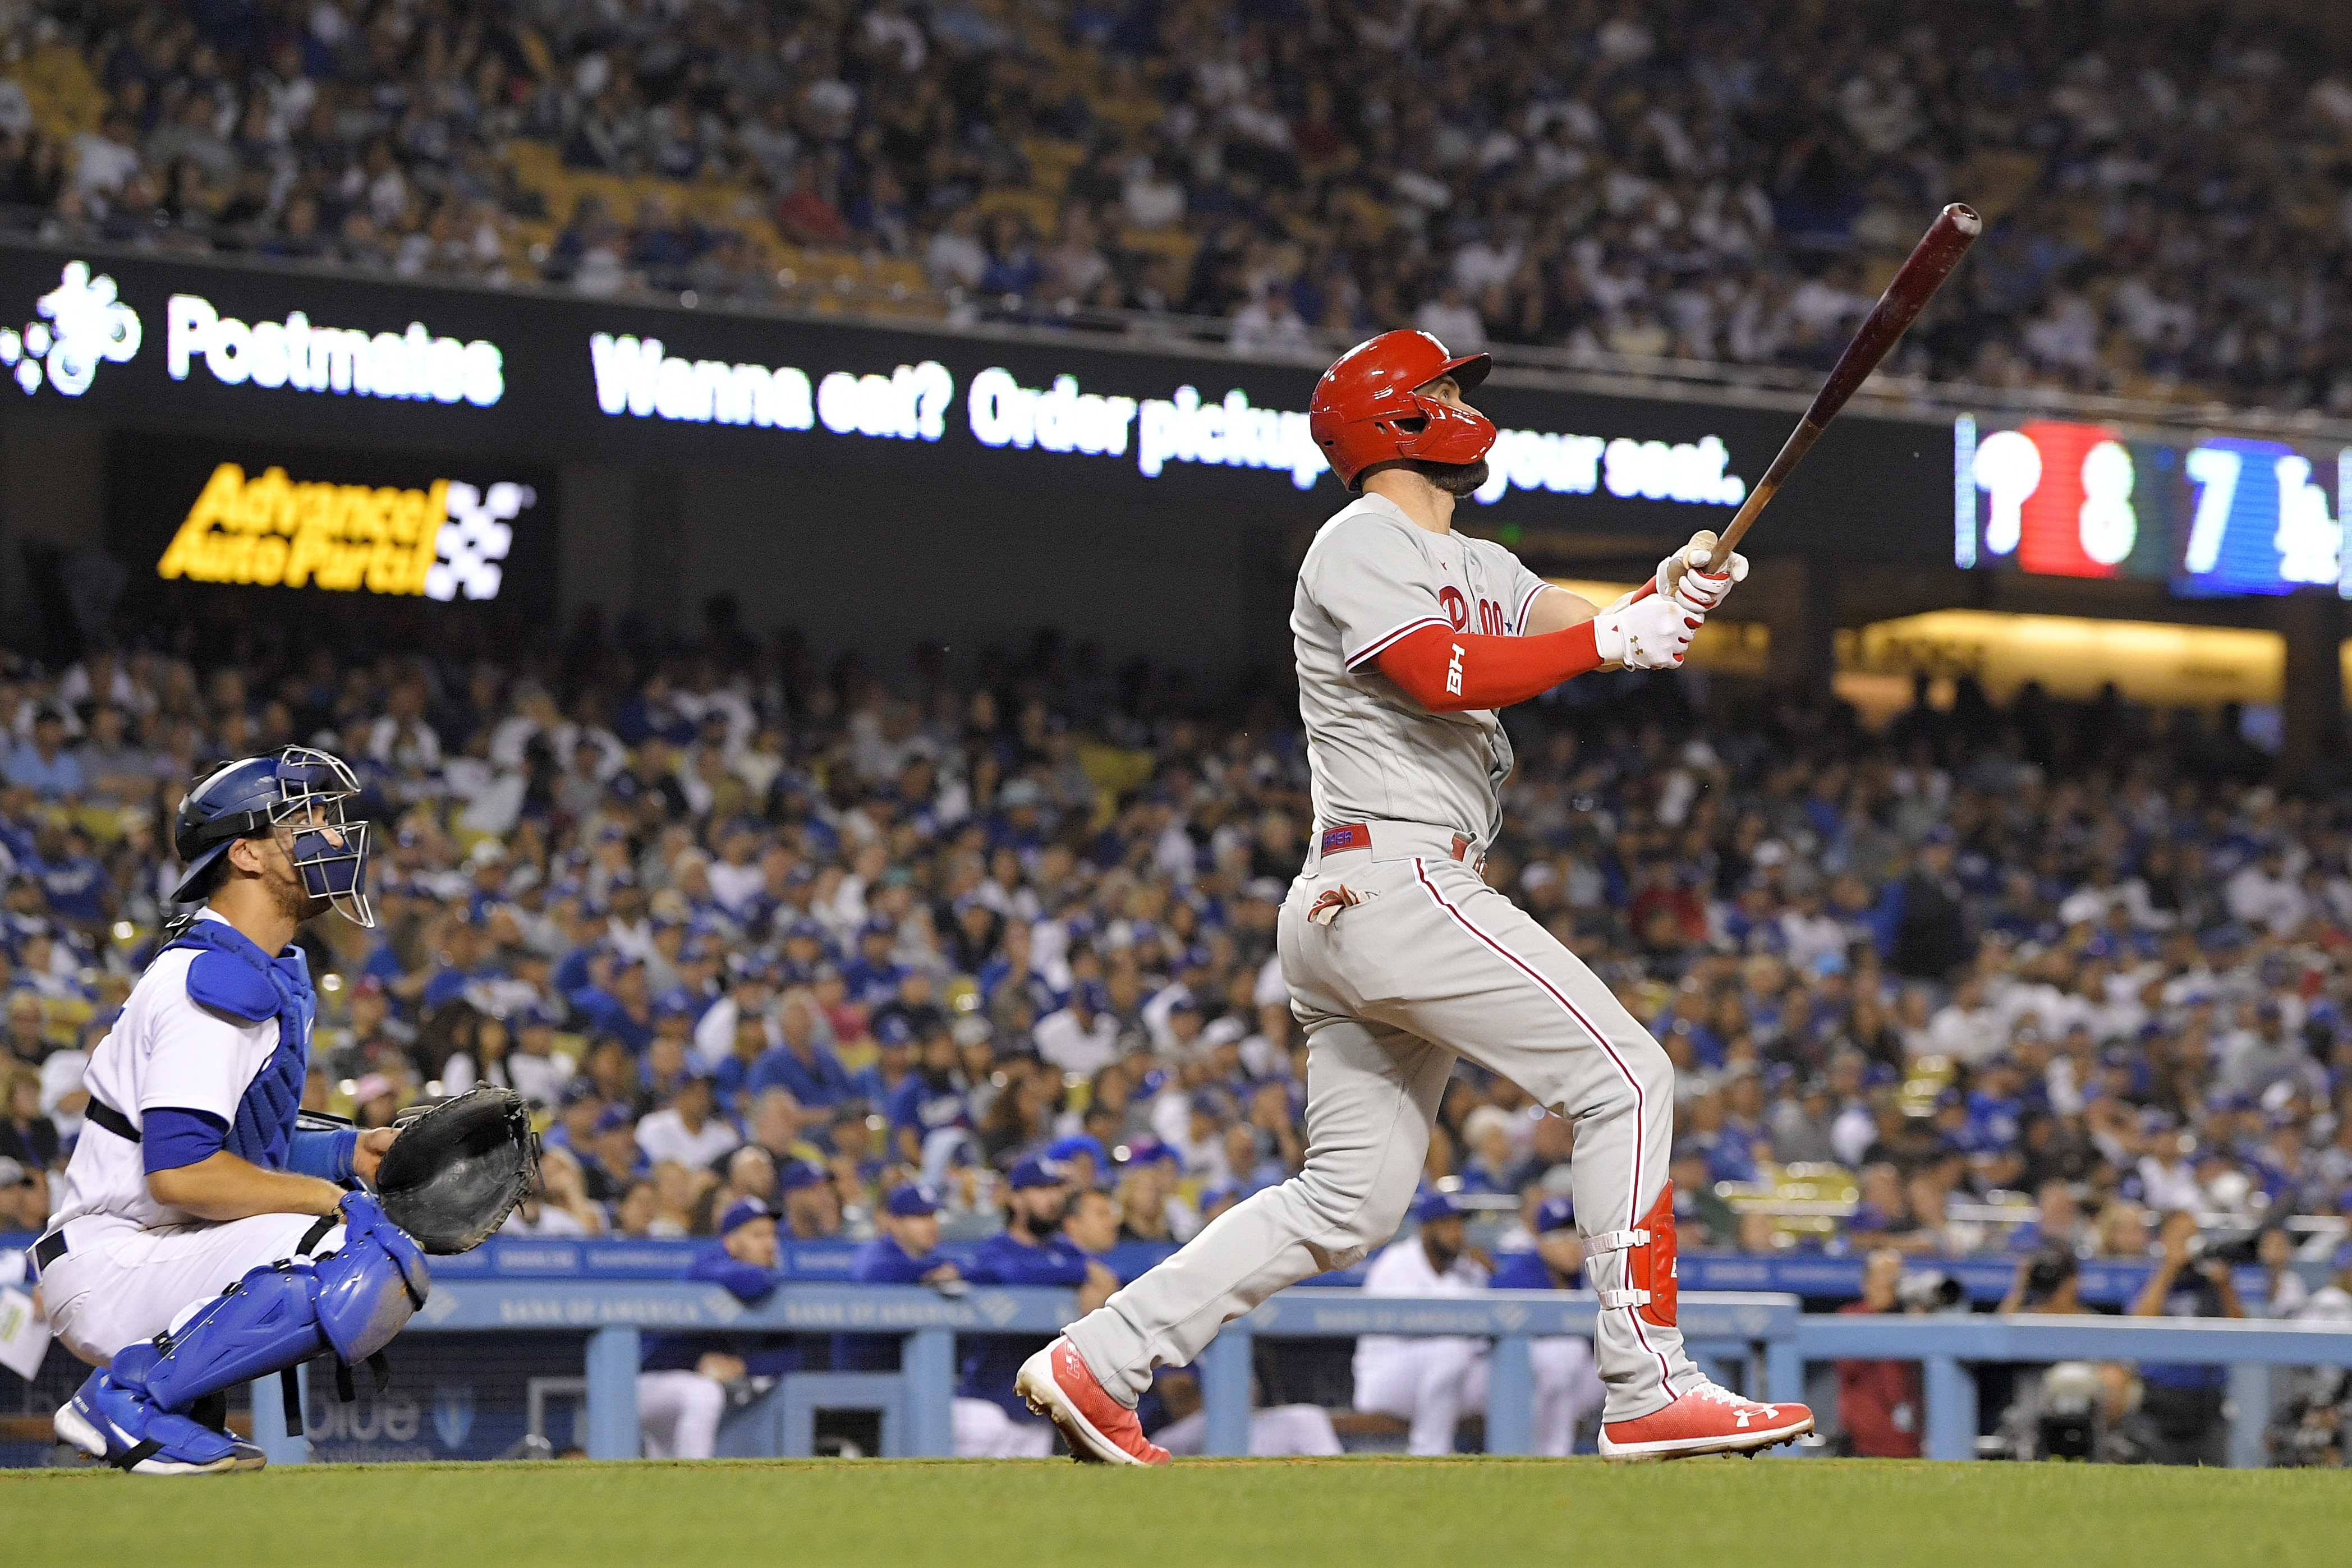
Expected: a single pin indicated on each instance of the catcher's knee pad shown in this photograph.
(1649, 1248)
(371, 1285)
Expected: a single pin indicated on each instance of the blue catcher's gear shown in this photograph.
(109, 1422)
(233, 976)
(136, 1413)
(300, 786)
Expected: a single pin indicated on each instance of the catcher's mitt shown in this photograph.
(457, 1168)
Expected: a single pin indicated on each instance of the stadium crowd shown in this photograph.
(1682, 178)
(742, 927)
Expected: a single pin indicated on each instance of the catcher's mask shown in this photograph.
(299, 785)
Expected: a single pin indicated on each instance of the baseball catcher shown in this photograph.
(1400, 957)
(208, 1233)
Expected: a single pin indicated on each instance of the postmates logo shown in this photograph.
(445, 542)
(77, 325)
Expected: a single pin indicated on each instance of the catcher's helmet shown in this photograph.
(1368, 408)
(252, 796)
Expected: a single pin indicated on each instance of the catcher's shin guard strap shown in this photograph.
(1650, 1268)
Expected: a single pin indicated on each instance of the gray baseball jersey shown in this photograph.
(1426, 963)
(1371, 578)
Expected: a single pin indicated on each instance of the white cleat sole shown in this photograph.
(1035, 1384)
(1751, 1443)
(71, 1426)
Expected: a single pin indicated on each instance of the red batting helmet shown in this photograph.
(1368, 408)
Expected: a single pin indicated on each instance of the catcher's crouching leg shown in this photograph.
(135, 1413)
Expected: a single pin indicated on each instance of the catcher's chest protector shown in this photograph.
(232, 975)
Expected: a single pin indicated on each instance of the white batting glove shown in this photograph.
(1680, 575)
(1701, 592)
(1652, 634)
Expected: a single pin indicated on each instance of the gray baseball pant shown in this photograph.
(1435, 963)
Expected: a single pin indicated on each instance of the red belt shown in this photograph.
(1358, 836)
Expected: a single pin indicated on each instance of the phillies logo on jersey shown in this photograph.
(1458, 609)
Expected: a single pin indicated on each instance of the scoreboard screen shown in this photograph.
(2217, 514)
(2265, 518)
(2061, 500)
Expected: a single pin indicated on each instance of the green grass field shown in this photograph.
(1367, 1513)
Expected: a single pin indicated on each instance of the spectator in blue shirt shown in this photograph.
(804, 1065)
(42, 764)
(73, 881)
(673, 1013)
(1996, 1107)
(871, 977)
(929, 1102)
(683, 1381)
(461, 963)
(905, 1253)
(732, 1073)
(805, 945)
(992, 1420)
(576, 970)
(1730, 1157)
(812, 1203)
(575, 1123)
(617, 1005)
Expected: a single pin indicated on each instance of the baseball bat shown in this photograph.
(1916, 281)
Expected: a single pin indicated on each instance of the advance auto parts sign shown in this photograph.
(445, 541)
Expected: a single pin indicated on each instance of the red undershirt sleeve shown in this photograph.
(1455, 672)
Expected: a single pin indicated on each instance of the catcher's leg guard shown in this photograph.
(137, 1413)
(353, 1300)
(1649, 1248)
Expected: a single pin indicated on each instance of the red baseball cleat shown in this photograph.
(1058, 1384)
(1709, 1419)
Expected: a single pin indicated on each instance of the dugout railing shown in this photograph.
(1761, 1340)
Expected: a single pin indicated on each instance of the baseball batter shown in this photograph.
(204, 1240)
(1398, 956)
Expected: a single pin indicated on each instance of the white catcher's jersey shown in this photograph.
(166, 1051)
(1371, 577)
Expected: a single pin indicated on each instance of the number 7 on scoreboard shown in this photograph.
(2214, 470)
